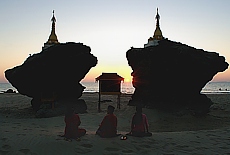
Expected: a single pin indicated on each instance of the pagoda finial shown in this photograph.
(53, 18)
(157, 18)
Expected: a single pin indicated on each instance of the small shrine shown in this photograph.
(109, 84)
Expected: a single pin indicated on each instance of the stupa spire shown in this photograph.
(158, 34)
(157, 18)
(53, 37)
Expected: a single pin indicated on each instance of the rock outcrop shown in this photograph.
(55, 71)
(171, 75)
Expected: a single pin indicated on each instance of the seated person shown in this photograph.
(108, 126)
(72, 122)
(139, 125)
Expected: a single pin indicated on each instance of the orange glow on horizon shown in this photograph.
(222, 76)
(123, 71)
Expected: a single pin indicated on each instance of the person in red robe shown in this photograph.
(72, 121)
(139, 125)
(108, 126)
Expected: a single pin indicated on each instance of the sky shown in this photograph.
(111, 28)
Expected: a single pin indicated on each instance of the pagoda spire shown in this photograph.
(53, 37)
(157, 34)
(157, 18)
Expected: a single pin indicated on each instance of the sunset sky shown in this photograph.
(110, 28)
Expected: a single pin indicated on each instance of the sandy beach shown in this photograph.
(173, 133)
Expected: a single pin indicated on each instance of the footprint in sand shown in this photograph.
(6, 147)
(173, 144)
(2, 152)
(182, 146)
(4, 139)
(87, 145)
(82, 150)
(224, 147)
(111, 149)
(134, 142)
(145, 146)
(196, 142)
(17, 124)
(201, 148)
(169, 138)
(19, 134)
(127, 151)
(25, 151)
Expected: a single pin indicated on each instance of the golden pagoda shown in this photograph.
(153, 41)
(53, 37)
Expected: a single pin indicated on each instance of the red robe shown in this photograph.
(71, 128)
(108, 126)
(142, 126)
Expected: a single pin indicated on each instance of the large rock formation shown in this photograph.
(171, 75)
(55, 70)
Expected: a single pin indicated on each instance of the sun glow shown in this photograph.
(123, 71)
(127, 80)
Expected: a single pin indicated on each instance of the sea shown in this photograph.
(127, 88)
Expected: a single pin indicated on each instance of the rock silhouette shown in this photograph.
(55, 70)
(171, 75)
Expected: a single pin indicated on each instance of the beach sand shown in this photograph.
(22, 133)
